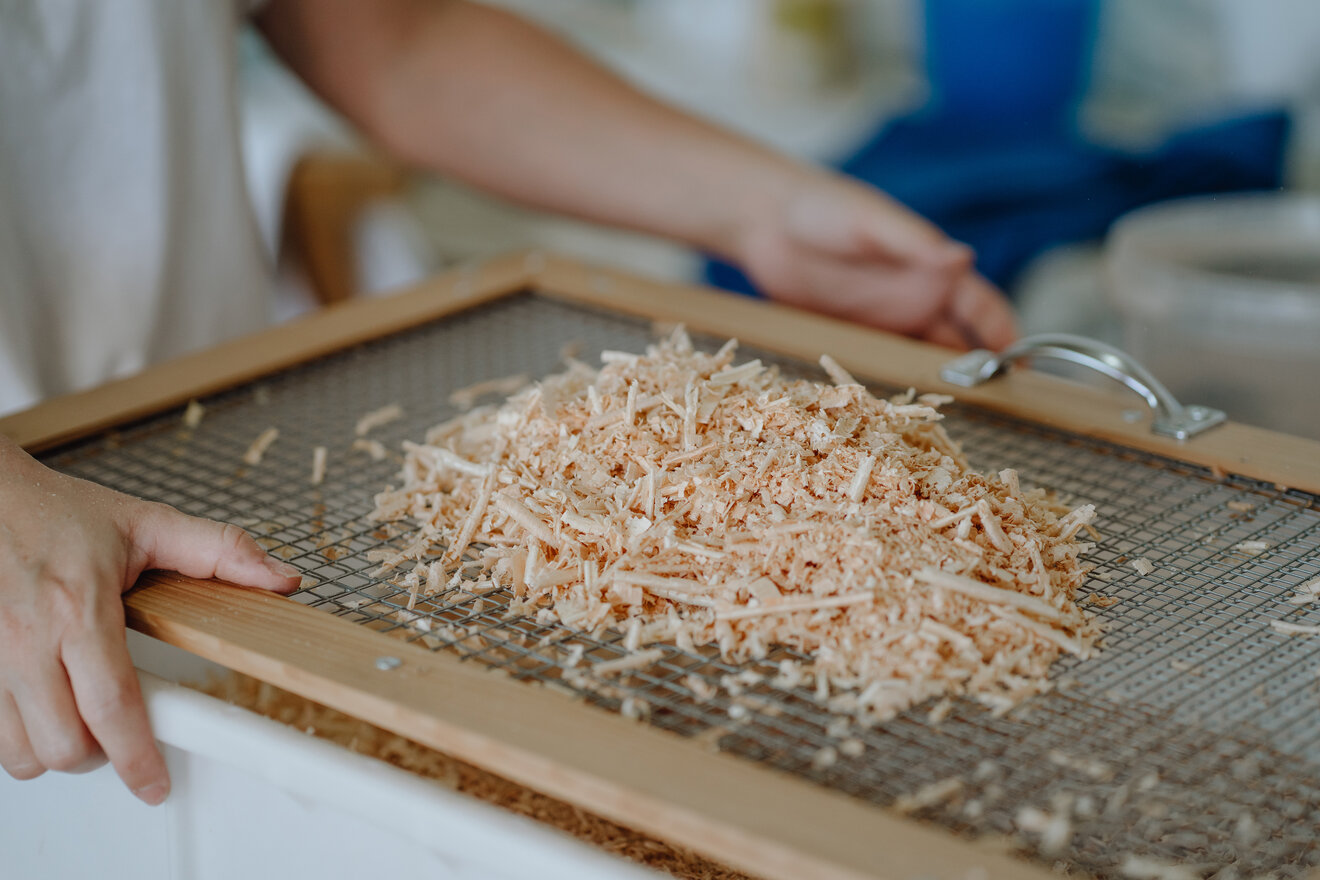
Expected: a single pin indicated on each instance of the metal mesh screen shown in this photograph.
(1193, 737)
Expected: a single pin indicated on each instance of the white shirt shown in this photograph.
(126, 235)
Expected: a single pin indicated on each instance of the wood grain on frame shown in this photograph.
(751, 817)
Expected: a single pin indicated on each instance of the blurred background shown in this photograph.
(1026, 128)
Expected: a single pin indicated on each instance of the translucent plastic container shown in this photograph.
(1220, 298)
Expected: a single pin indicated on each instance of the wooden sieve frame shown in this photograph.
(751, 817)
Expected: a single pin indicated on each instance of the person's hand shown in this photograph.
(833, 245)
(69, 697)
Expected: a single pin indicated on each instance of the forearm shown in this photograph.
(481, 95)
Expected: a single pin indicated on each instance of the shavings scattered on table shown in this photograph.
(688, 500)
(318, 465)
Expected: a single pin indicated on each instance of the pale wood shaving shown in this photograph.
(788, 606)
(636, 660)
(1138, 867)
(852, 747)
(1307, 594)
(838, 375)
(724, 505)
(969, 587)
(318, 465)
(376, 418)
(373, 448)
(929, 795)
(466, 398)
(471, 522)
(1294, 629)
(529, 521)
(1054, 828)
(993, 530)
(733, 375)
(439, 458)
(939, 712)
(860, 480)
(659, 582)
(192, 415)
(825, 758)
(257, 450)
(1049, 634)
(1092, 767)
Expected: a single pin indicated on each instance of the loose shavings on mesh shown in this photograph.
(680, 498)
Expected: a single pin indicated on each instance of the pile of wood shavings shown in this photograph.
(679, 498)
(367, 739)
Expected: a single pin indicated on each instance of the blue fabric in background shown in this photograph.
(995, 158)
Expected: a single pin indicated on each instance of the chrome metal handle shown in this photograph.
(1172, 419)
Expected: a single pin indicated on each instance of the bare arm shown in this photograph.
(486, 97)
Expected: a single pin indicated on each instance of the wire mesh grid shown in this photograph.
(1192, 738)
